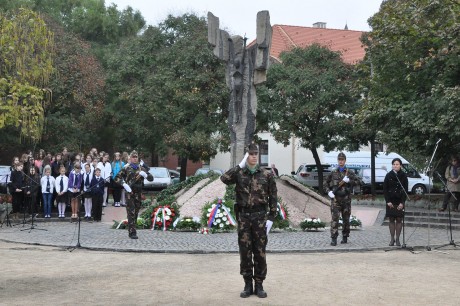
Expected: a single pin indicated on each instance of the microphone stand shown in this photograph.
(32, 205)
(430, 179)
(78, 245)
(403, 245)
(451, 242)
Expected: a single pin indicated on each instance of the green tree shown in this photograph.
(190, 96)
(308, 96)
(26, 63)
(411, 97)
(73, 119)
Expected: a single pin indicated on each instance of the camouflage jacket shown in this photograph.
(341, 190)
(252, 190)
(129, 174)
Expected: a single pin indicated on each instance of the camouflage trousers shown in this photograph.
(340, 207)
(252, 240)
(132, 210)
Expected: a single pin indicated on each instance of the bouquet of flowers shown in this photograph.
(312, 223)
(123, 224)
(354, 222)
(163, 217)
(203, 230)
(218, 216)
(187, 224)
(282, 216)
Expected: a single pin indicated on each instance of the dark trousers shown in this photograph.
(252, 241)
(132, 210)
(447, 197)
(97, 206)
(18, 199)
(116, 191)
(340, 208)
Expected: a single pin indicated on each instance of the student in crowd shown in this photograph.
(47, 184)
(117, 165)
(75, 182)
(97, 189)
(106, 172)
(39, 160)
(56, 165)
(17, 189)
(32, 185)
(89, 161)
(87, 196)
(62, 183)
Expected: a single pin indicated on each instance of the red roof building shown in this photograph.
(347, 42)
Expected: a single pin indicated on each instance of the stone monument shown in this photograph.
(246, 68)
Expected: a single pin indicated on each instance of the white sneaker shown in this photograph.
(104, 205)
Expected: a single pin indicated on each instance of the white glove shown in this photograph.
(242, 164)
(127, 188)
(143, 174)
(346, 179)
(268, 226)
(331, 194)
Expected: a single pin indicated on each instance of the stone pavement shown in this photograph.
(100, 236)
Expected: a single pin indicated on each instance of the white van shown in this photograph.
(419, 183)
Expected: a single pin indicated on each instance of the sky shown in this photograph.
(238, 17)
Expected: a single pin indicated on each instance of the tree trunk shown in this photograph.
(320, 170)
(183, 168)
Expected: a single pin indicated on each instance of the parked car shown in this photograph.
(175, 176)
(206, 170)
(308, 174)
(161, 179)
(365, 175)
(4, 178)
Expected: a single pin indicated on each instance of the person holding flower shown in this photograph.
(131, 177)
(256, 194)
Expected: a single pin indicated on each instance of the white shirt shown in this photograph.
(90, 177)
(106, 170)
(44, 181)
(65, 181)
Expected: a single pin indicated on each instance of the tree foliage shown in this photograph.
(73, 119)
(412, 96)
(168, 80)
(26, 63)
(308, 96)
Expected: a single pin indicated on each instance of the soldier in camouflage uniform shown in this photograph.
(256, 194)
(338, 186)
(131, 177)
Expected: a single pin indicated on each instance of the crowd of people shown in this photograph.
(64, 182)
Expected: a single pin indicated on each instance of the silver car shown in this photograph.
(308, 174)
(161, 179)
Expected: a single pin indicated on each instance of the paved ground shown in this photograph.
(100, 236)
(43, 267)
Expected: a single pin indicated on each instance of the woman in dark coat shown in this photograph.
(394, 190)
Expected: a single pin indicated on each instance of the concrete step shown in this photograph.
(432, 223)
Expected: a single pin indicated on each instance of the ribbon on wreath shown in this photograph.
(212, 215)
(162, 210)
(282, 212)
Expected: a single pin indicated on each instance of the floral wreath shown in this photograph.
(219, 216)
(163, 217)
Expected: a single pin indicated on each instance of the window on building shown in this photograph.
(263, 153)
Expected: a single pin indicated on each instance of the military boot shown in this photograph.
(334, 241)
(344, 240)
(248, 289)
(259, 290)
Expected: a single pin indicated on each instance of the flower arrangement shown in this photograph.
(217, 216)
(354, 222)
(123, 224)
(187, 224)
(312, 223)
(203, 230)
(163, 217)
(282, 216)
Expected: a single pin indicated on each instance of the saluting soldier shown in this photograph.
(338, 186)
(131, 177)
(256, 194)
